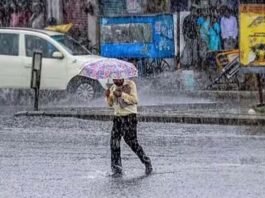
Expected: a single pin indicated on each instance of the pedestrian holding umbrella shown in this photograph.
(122, 97)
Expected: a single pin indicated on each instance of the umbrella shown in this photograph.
(109, 68)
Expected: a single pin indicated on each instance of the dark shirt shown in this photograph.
(190, 27)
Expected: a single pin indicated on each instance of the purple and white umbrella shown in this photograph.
(109, 68)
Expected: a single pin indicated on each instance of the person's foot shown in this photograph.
(116, 171)
(116, 174)
(148, 169)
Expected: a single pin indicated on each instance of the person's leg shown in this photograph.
(203, 49)
(115, 140)
(234, 43)
(226, 44)
(130, 137)
(194, 53)
(230, 44)
(185, 59)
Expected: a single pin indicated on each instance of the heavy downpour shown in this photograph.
(132, 98)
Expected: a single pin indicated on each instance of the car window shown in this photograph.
(72, 46)
(9, 44)
(37, 44)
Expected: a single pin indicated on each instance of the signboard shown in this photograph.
(252, 35)
(146, 36)
(36, 70)
(36, 77)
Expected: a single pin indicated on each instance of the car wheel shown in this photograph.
(84, 89)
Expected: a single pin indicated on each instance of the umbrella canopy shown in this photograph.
(109, 68)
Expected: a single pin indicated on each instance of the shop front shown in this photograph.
(216, 26)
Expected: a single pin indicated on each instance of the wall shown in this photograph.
(92, 22)
(74, 12)
(182, 42)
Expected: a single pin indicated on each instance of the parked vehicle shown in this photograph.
(63, 60)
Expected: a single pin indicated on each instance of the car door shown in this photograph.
(12, 72)
(54, 73)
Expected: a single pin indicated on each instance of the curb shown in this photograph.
(218, 94)
(180, 106)
(248, 120)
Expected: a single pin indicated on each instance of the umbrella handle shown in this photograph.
(108, 84)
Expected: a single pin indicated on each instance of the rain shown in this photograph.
(132, 98)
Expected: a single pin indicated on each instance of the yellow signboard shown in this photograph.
(252, 35)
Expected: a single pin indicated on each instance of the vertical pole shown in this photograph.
(98, 30)
(178, 37)
(37, 90)
(260, 89)
(36, 99)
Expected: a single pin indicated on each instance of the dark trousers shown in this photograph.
(125, 126)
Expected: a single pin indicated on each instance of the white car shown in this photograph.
(63, 60)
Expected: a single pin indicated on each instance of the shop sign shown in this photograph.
(252, 35)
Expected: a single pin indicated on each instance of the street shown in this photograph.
(55, 157)
(192, 71)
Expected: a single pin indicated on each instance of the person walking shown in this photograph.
(122, 97)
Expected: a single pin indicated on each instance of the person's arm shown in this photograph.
(109, 97)
(42, 22)
(235, 30)
(110, 100)
(185, 29)
(132, 97)
(222, 28)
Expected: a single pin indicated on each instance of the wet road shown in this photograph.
(70, 158)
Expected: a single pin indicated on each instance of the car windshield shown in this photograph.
(71, 45)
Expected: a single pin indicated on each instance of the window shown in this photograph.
(9, 44)
(112, 7)
(127, 33)
(72, 46)
(34, 43)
